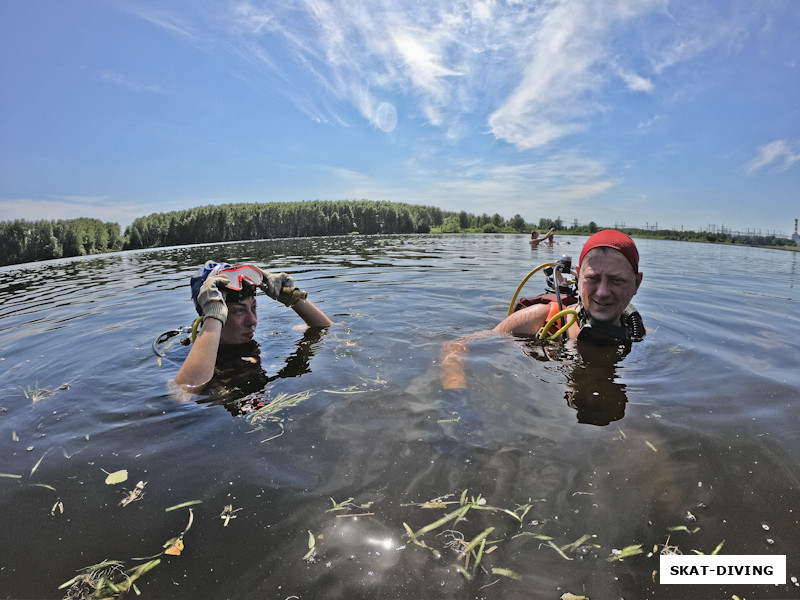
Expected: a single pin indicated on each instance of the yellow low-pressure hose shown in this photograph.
(524, 281)
(195, 325)
(566, 312)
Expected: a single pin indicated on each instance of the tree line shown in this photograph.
(28, 241)
(232, 222)
(711, 237)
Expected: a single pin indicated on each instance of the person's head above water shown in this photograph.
(243, 284)
(608, 274)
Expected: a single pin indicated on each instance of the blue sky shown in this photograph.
(685, 114)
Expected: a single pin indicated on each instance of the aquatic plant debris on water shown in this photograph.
(471, 551)
(134, 495)
(627, 551)
(116, 477)
(35, 394)
(109, 579)
(312, 548)
(183, 505)
(228, 513)
(268, 413)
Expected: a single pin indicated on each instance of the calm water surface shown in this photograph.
(690, 440)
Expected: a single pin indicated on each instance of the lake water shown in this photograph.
(700, 444)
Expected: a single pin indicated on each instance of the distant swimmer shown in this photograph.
(536, 239)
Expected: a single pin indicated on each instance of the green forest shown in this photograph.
(27, 241)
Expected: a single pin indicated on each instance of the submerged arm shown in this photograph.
(451, 363)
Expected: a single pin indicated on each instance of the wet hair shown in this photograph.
(248, 290)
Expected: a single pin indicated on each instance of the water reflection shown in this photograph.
(591, 373)
(240, 382)
(593, 389)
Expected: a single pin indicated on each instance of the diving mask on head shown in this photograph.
(246, 279)
(240, 276)
(243, 281)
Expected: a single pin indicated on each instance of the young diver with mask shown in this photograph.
(224, 297)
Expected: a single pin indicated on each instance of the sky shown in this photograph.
(639, 113)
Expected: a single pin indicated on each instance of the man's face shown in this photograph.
(607, 283)
(240, 326)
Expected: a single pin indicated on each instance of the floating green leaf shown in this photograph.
(507, 573)
(116, 477)
(683, 528)
(344, 505)
(538, 536)
(479, 538)
(36, 466)
(577, 543)
(625, 552)
(312, 550)
(44, 485)
(559, 550)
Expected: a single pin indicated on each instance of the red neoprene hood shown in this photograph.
(611, 238)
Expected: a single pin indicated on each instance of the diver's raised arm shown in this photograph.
(311, 314)
(281, 287)
(526, 321)
(198, 368)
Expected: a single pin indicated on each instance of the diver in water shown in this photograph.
(608, 278)
(224, 297)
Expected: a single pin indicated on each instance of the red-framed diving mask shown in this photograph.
(238, 275)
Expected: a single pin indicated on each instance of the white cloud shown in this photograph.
(636, 82)
(131, 84)
(779, 155)
(552, 186)
(532, 72)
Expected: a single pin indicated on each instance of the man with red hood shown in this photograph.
(608, 278)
